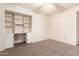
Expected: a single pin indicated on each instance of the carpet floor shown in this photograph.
(42, 48)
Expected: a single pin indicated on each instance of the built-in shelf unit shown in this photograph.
(18, 25)
(9, 22)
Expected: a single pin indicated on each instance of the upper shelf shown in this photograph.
(18, 23)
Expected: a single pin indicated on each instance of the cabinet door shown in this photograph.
(29, 37)
(9, 40)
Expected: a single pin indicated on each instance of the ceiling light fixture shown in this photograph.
(47, 8)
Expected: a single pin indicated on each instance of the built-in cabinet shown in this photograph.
(9, 40)
(17, 28)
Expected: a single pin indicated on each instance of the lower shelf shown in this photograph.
(19, 41)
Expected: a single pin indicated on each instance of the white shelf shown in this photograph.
(8, 30)
(17, 24)
(19, 29)
(26, 21)
(17, 16)
(8, 14)
(9, 19)
(27, 18)
(18, 21)
(27, 25)
(26, 30)
(8, 24)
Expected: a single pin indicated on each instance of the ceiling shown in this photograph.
(52, 7)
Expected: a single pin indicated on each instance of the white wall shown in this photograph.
(40, 27)
(77, 31)
(39, 22)
(1, 28)
(63, 26)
